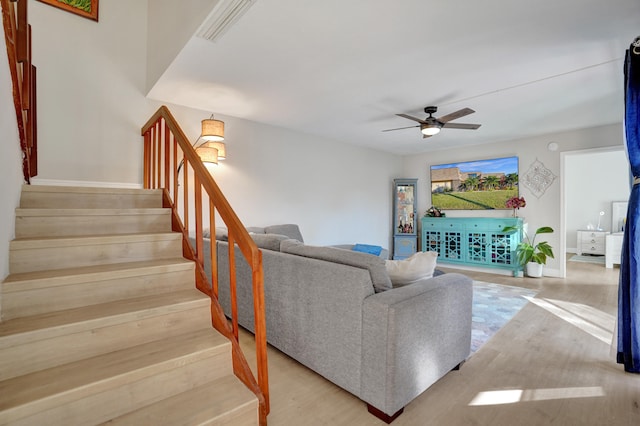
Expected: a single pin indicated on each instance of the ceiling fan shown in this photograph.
(431, 125)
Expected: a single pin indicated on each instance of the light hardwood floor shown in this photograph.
(551, 364)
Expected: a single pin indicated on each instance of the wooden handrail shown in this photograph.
(17, 35)
(165, 145)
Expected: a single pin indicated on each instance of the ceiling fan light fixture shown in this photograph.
(431, 125)
(430, 129)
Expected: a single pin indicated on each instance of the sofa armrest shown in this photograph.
(412, 336)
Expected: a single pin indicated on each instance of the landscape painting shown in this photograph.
(474, 185)
(85, 8)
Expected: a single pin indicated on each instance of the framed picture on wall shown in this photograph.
(475, 185)
(84, 8)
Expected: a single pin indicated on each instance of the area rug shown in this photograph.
(493, 306)
(587, 259)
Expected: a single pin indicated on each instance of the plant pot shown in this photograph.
(534, 269)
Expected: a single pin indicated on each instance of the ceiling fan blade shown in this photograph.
(400, 128)
(412, 118)
(455, 115)
(461, 126)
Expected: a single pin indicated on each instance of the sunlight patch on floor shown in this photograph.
(593, 321)
(512, 396)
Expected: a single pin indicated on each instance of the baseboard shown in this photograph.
(547, 272)
(488, 270)
(84, 183)
(555, 273)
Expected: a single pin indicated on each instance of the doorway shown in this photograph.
(592, 180)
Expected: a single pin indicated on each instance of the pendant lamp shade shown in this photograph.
(221, 147)
(207, 154)
(212, 130)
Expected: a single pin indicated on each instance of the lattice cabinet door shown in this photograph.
(452, 246)
(432, 241)
(502, 249)
(477, 247)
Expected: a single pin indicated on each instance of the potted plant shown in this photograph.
(515, 203)
(533, 255)
(434, 212)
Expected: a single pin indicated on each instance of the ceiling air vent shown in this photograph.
(222, 17)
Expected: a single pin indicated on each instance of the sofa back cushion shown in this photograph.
(374, 264)
(291, 230)
(268, 241)
(220, 234)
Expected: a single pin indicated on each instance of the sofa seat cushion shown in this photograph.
(419, 266)
(374, 264)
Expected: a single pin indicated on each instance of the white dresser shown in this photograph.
(614, 249)
(591, 242)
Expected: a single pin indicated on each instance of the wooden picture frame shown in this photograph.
(85, 8)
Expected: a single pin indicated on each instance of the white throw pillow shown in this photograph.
(412, 269)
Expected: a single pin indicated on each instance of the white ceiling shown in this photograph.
(343, 69)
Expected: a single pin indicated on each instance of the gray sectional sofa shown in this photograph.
(335, 311)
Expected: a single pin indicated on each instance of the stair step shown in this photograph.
(102, 323)
(32, 223)
(42, 341)
(67, 197)
(34, 293)
(227, 402)
(97, 389)
(40, 254)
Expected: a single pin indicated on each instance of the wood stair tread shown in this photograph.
(48, 325)
(74, 241)
(88, 190)
(38, 279)
(224, 398)
(45, 212)
(108, 370)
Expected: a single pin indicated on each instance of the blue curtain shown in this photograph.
(628, 286)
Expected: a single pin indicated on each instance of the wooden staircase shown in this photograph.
(102, 323)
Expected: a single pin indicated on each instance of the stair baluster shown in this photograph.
(164, 145)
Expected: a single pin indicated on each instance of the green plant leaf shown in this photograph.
(508, 229)
(539, 258)
(544, 230)
(545, 248)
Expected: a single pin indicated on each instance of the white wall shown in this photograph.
(594, 179)
(91, 84)
(337, 193)
(545, 211)
(170, 25)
